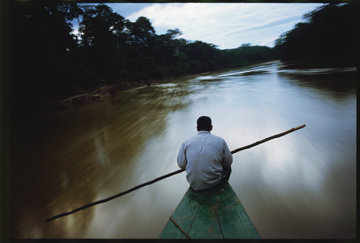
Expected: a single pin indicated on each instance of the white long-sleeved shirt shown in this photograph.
(203, 157)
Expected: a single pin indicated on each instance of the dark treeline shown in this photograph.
(47, 61)
(329, 37)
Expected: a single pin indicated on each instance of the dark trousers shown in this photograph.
(226, 173)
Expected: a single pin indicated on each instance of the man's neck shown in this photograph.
(203, 131)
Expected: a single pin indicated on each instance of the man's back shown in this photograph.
(203, 157)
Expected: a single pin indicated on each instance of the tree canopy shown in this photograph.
(330, 31)
(49, 61)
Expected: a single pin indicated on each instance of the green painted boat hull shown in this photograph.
(216, 213)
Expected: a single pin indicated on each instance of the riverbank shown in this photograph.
(331, 62)
(112, 91)
(103, 93)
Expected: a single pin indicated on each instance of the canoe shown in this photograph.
(216, 213)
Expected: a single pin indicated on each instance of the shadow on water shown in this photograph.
(45, 172)
(211, 80)
(335, 85)
(252, 73)
(62, 161)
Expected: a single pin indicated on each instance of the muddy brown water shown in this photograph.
(302, 185)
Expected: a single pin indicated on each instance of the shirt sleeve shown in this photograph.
(181, 159)
(227, 156)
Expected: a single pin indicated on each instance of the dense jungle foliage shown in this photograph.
(48, 61)
(329, 34)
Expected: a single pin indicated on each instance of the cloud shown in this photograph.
(264, 25)
(126, 9)
(227, 25)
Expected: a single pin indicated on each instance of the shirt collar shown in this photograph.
(203, 132)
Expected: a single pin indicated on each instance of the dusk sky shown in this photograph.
(226, 25)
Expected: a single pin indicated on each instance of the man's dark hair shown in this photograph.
(204, 123)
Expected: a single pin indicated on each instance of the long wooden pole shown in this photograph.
(267, 139)
(168, 175)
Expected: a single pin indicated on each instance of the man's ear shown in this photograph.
(197, 128)
(211, 128)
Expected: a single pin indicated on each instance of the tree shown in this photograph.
(48, 61)
(41, 50)
(102, 38)
(330, 31)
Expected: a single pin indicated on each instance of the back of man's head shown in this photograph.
(204, 123)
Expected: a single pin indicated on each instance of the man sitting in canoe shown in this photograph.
(205, 157)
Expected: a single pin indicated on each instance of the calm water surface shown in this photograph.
(302, 185)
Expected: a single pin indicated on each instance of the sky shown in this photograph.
(226, 25)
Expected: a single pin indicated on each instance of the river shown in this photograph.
(300, 186)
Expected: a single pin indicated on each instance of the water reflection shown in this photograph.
(336, 85)
(43, 178)
(298, 186)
